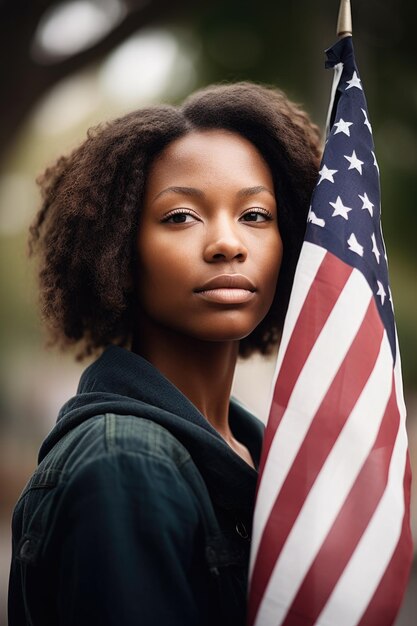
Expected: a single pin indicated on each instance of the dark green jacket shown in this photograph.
(138, 513)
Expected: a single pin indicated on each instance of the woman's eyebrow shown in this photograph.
(184, 191)
(252, 191)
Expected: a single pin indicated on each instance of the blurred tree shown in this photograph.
(24, 79)
(262, 40)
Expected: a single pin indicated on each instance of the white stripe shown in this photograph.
(317, 374)
(310, 259)
(356, 586)
(399, 381)
(329, 491)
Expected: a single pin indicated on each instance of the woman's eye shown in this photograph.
(256, 216)
(179, 217)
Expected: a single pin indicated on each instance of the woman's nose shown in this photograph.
(224, 244)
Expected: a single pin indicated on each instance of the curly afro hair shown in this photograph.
(85, 230)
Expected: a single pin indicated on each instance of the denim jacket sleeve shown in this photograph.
(125, 532)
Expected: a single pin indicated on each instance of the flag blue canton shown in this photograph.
(345, 212)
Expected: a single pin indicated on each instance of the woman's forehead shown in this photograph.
(202, 157)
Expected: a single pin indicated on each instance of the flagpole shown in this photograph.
(344, 21)
(343, 29)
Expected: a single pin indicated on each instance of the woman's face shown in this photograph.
(209, 247)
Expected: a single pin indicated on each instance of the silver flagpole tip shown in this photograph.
(344, 21)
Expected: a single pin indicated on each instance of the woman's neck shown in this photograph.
(203, 371)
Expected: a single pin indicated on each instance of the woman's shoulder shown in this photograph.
(107, 457)
(132, 452)
(114, 436)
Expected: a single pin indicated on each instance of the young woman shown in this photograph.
(168, 242)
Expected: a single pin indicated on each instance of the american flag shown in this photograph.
(331, 537)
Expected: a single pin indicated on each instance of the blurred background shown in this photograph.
(69, 65)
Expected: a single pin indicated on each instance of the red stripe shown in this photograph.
(323, 294)
(387, 598)
(349, 525)
(323, 432)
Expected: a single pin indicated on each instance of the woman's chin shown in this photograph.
(226, 333)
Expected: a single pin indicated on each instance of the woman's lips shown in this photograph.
(227, 289)
(227, 296)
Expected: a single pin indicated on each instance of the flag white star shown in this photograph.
(390, 297)
(367, 204)
(355, 163)
(326, 174)
(354, 245)
(381, 291)
(375, 248)
(340, 208)
(342, 127)
(375, 161)
(366, 121)
(355, 81)
(318, 221)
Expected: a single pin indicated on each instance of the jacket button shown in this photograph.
(241, 529)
